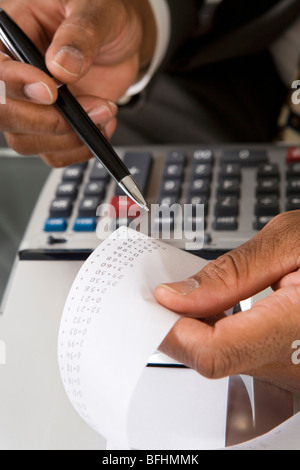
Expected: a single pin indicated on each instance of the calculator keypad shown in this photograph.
(241, 190)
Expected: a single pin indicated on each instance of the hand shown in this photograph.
(97, 47)
(257, 342)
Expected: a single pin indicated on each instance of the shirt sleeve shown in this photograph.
(163, 22)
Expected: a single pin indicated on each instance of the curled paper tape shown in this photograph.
(110, 327)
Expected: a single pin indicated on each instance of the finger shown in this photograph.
(29, 118)
(87, 27)
(67, 157)
(26, 144)
(25, 82)
(292, 279)
(238, 343)
(79, 154)
(240, 274)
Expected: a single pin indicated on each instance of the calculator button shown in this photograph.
(174, 170)
(73, 173)
(195, 223)
(99, 173)
(201, 170)
(69, 190)
(267, 205)
(95, 189)
(231, 170)
(122, 207)
(88, 207)
(139, 165)
(262, 221)
(293, 155)
(61, 208)
(199, 200)
(171, 187)
(227, 206)
(245, 157)
(168, 200)
(200, 186)
(85, 224)
(267, 186)
(176, 156)
(226, 224)
(229, 186)
(58, 224)
(293, 186)
(293, 203)
(293, 170)
(203, 156)
(268, 170)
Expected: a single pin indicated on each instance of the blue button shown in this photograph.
(56, 225)
(85, 224)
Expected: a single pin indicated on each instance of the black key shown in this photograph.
(61, 207)
(293, 170)
(192, 224)
(231, 170)
(226, 224)
(176, 156)
(245, 157)
(171, 187)
(88, 207)
(293, 186)
(227, 206)
(204, 156)
(173, 170)
(267, 205)
(168, 201)
(73, 173)
(293, 203)
(95, 189)
(99, 173)
(268, 170)
(229, 186)
(199, 200)
(200, 186)
(267, 186)
(67, 190)
(262, 221)
(139, 164)
(201, 170)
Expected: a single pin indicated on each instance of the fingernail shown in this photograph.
(101, 115)
(39, 92)
(70, 60)
(182, 287)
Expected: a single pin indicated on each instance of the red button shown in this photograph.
(293, 155)
(122, 207)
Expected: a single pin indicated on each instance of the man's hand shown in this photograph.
(257, 342)
(97, 47)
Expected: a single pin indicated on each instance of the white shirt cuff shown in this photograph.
(163, 21)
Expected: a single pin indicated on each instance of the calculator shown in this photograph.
(226, 192)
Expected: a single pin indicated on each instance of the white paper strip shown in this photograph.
(110, 327)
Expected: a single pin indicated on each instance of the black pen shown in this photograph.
(22, 48)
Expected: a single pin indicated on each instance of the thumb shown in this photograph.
(78, 39)
(240, 274)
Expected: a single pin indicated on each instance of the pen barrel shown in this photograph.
(22, 46)
(90, 134)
